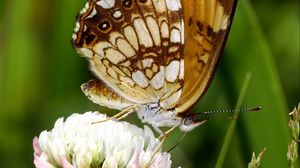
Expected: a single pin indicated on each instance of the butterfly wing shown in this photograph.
(135, 47)
(100, 94)
(207, 26)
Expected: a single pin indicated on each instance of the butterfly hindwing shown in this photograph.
(135, 47)
(100, 94)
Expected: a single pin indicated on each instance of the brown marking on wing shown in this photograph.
(115, 70)
(205, 39)
(99, 93)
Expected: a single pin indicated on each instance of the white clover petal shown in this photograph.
(110, 162)
(78, 143)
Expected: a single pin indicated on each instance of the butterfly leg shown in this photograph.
(165, 134)
(124, 113)
(158, 130)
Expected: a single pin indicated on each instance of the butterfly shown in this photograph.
(153, 57)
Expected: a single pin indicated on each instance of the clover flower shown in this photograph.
(76, 142)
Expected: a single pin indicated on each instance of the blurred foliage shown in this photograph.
(40, 78)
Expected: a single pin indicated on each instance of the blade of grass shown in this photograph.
(248, 50)
(232, 125)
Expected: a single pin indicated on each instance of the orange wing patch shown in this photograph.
(207, 26)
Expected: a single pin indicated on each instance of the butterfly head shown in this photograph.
(190, 121)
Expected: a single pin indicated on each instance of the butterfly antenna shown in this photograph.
(215, 113)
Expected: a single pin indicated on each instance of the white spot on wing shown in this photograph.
(106, 4)
(74, 36)
(175, 36)
(159, 5)
(158, 80)
(94, 12)
(140, 79)
(154, 30)
(76, 29)
(147, 63)
(173, 49)
(85, 8)
(172, 71)
(142, 33)
(173, 5)
(117, 14)
(164, 28)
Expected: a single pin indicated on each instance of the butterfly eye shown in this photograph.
(104, 26)
(188, 121)
(127, 3)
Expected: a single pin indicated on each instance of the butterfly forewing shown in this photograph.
(135, 47)
(207, 23)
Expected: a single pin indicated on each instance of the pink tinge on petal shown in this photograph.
(41, 163)
(36, 146)
(162, 160)
(156, 162)
(134, 162)
(65, 163)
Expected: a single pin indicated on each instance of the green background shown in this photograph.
(40, 78)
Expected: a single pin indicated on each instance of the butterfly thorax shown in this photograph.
(155, 115)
